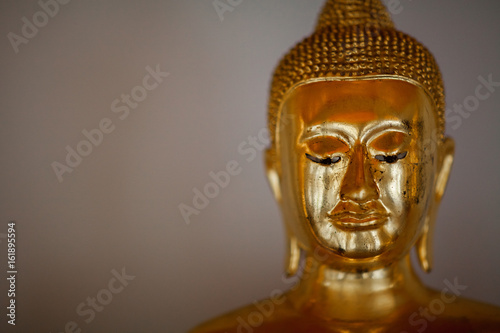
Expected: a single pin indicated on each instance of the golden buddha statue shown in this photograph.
(359, 164)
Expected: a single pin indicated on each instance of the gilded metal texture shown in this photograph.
(358, 168)
(356, 44)
(354, 12)
(359, 181)
(359, 165)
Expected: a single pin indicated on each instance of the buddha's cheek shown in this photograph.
(321, 189)
(405, 190)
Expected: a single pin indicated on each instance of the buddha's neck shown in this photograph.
(335, 295)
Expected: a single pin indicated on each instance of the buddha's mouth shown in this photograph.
(352, 216)
(358, 220)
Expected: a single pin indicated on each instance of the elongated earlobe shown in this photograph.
(424, 247)
(425, 250)
(292, 259)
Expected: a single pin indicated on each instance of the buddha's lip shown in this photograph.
(358, 220)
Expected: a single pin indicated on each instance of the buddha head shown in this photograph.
(358, 158)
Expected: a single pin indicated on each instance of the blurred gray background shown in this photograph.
(119, 208)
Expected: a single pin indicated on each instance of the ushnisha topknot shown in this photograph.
(356, 38)
(354, 12)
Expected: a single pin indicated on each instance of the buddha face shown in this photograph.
(358, 163)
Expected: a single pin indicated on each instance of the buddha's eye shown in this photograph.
(391, 158)
(324, 161)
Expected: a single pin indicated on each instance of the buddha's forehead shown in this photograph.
(359, 102)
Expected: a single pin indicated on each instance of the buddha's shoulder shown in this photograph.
(438, 314)
(267, 315)
(467, 308)
(224, 323)
(447, 312)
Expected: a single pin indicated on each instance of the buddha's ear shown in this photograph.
(273, 174)
(446, 155)
(425, 251)
(292, 254)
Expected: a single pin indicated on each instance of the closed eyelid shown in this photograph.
(389, 141)
(327, 145)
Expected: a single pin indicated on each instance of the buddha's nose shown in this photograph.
(358, 184)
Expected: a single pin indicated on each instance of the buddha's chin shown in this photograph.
(356, 244)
